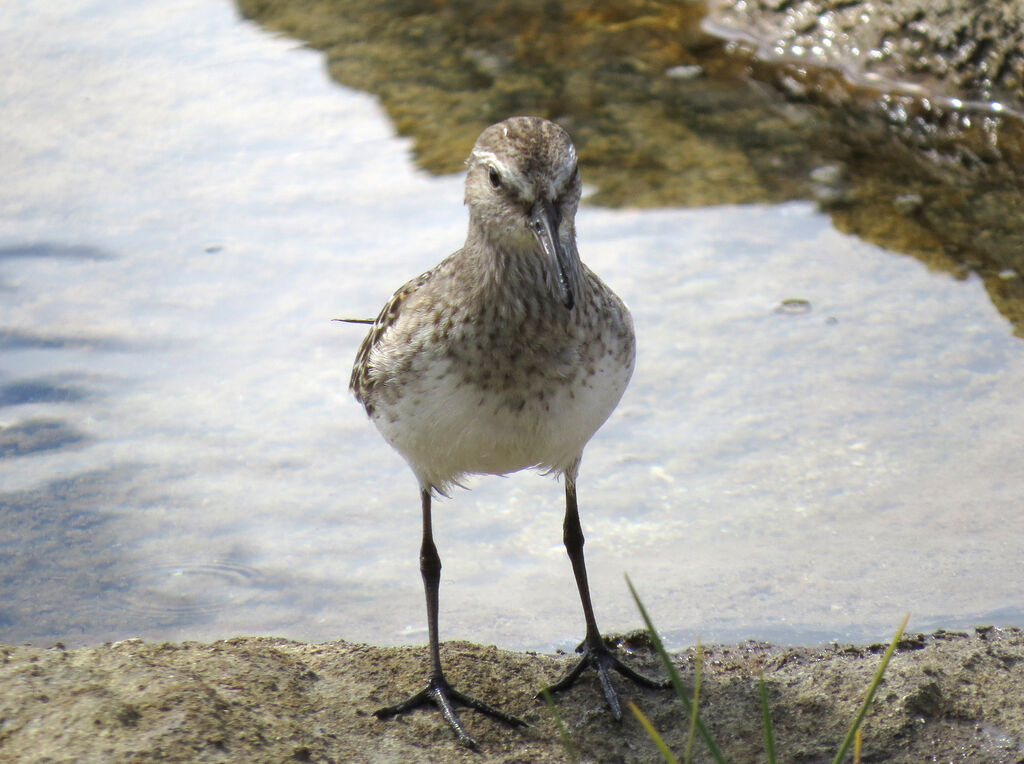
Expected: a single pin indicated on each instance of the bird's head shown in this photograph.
(523, 188)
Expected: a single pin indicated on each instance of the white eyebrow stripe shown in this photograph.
(509, 174)
(489, 157)
(565, 172)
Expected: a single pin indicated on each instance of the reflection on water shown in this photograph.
(35, 435)
(41, 390)
(819, 436)
(56, 251)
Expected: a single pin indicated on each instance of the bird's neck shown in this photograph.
(518, 268)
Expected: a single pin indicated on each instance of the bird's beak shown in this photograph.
(544, 222)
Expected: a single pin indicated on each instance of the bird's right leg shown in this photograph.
(438, 692)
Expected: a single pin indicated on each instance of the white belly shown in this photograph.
(446, 428)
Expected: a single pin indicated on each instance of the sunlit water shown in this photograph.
(187, 202)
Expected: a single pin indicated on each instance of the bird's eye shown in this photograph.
(495, 178)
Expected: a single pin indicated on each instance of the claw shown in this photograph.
(441, 694)
(603, 661)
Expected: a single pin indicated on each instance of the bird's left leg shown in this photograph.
(595, 652)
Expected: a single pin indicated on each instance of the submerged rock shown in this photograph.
(945, 49)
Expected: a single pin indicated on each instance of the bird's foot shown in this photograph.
(601, 658)
(441, 694)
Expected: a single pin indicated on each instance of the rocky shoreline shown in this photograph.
(951, 696)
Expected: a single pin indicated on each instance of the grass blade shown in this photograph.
(859, 718)
(692, 733)
(663, 748)
(766, 720)
(563, 731)
(673, 677)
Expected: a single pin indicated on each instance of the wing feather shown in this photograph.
(362, 381)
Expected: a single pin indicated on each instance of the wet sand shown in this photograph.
(946, 697)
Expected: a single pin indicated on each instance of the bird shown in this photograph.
(507, 355)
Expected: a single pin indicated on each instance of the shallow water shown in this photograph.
(187, 203)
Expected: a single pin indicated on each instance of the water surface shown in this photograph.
(820, 436)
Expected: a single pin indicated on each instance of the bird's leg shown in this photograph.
(438, 691)
(595, 652)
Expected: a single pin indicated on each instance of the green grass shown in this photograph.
(691, 736)
(677, 683)
(853, 734)
(563, 731)
(766, 720)
(691, 703)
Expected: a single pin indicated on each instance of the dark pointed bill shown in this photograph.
(544, 221)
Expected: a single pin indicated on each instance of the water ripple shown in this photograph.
(188, 588)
